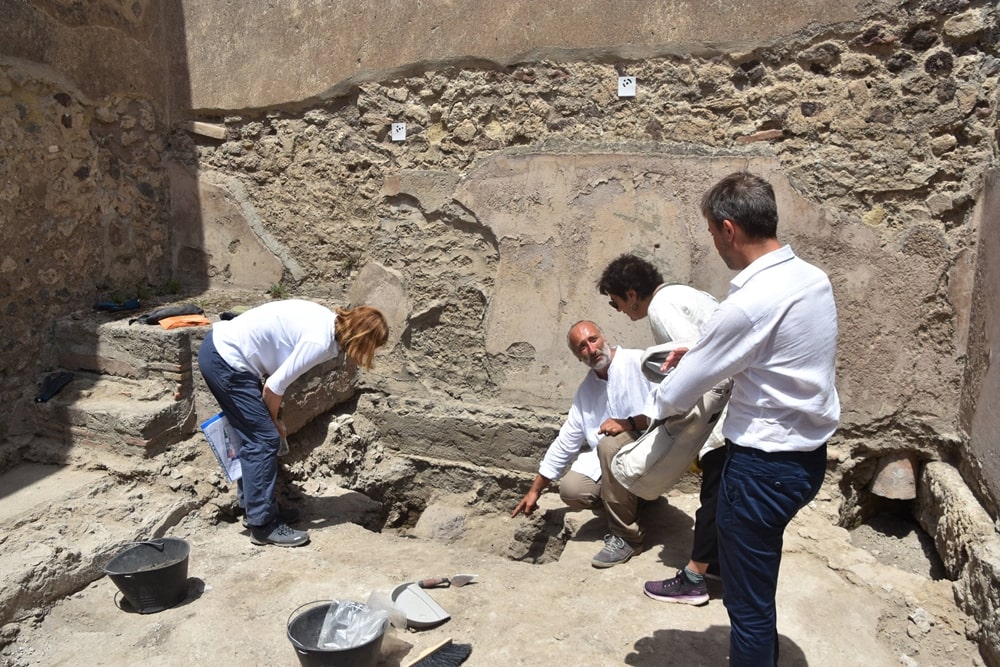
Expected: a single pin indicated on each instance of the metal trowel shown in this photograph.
(440, 582)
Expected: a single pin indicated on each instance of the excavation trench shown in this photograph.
(341, 470)
(453, 502)
(881, 511)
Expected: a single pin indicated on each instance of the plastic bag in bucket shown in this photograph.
(152, 575)
(337, 634)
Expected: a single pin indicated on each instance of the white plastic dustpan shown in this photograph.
(420, 608)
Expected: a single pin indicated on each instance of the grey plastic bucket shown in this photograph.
(304, 628)
(152, 575)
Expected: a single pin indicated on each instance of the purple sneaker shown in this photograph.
(679, 589)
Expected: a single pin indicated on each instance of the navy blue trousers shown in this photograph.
(759, 494)
(239, 395)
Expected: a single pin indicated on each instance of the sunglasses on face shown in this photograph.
(614, 305)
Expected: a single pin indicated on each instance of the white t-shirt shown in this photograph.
(279, 340)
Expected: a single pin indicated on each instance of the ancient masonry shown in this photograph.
(890, 128)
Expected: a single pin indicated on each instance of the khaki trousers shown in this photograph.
(580, 492)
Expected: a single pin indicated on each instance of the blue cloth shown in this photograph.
(759, 494)
(239, 396)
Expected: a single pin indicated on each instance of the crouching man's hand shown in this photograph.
(529, 503)
(618, 426)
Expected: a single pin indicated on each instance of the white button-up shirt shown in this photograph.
(620, 396)
(776, 336)
(679, 313)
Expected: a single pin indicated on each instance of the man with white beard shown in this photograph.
(605, 415)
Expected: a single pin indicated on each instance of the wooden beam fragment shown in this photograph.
(204, 129)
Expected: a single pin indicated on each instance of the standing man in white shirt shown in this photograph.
(776, 336)
(605, 415)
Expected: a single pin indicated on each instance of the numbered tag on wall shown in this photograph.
(626, 86)
(398, 132)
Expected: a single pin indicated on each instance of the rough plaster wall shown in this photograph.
(982, 382)
(103, 46)
(883, 123)
(877, 123)
(255, 55)
(234, 252)
(561, 217)
(81, 208)
(877, 135)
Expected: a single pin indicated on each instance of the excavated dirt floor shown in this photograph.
(867, 597)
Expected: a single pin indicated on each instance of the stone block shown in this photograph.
(968, 543)
(115, 414)
(441, 523)
(450, 431)
(318, 391)
(136, 390)
(211, 130)
(967, 24)
(979, 594)
(950, 514)
(95, 344)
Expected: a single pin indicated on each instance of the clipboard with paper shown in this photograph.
(224, 442)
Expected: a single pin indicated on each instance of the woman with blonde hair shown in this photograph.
(360, 331)
(250, 361)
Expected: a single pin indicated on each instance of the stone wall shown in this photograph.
(522, 173)
(101, 48)
(246, 55)
(483, 231)
(487, 226)
(83, 195)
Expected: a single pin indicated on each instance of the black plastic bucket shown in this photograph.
(152, 575)
(304, 629)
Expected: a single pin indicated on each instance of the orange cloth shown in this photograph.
(178, 321)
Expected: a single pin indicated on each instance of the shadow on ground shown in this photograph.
(684, 648)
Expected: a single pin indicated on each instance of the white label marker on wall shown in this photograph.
(626, 86)
(398, 131)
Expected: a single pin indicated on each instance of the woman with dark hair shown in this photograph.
(250, 361)
(677, 313)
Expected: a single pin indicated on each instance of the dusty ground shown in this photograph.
(839, 604)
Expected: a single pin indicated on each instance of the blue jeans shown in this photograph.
(759, 494)
(239, 396)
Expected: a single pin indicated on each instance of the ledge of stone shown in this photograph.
(969, 546)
